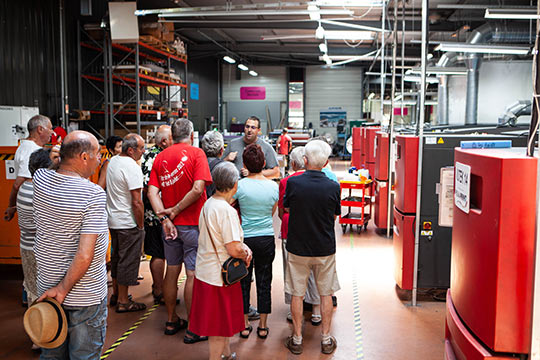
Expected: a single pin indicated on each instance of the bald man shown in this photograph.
(126, 221)
(71, 243)
(153, 243)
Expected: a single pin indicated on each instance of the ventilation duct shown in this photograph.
(487, 33)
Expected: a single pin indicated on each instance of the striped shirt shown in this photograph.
(26, 216)
(64, 208)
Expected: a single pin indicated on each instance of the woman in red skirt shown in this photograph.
(217, 310)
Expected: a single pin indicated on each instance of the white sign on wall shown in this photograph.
(462, 195)
(10, 169)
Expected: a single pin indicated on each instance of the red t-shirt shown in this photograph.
(174, 171)
(285, 220)
(284, 141)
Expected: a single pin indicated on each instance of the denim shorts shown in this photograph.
(182, 249)
(86, 333)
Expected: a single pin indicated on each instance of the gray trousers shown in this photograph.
(312, 293)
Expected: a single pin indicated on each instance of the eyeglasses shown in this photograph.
(253, 127)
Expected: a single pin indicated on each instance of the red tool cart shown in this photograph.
(356, 201)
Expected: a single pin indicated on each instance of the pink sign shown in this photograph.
(397, 111)
(295, 104)
(252, 93)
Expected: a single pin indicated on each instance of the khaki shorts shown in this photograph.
(299, 268)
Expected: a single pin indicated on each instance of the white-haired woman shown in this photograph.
(217, 310)
(212, 145)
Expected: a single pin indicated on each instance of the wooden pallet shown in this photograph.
(150, 40)
(132, 71)
(133, 107)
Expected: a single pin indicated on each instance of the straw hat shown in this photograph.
(45, 322)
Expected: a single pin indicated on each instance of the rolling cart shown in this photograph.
(359, 201)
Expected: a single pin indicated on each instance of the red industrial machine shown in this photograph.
(380, 174)
(405, 209)
(489, 304)
(369, 148)
(356, 159)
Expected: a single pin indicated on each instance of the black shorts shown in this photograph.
(153, 242)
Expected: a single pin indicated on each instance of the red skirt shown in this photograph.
(216, 310)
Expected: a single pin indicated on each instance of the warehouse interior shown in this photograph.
(430, 109)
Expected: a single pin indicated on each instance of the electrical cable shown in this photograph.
(536, 96)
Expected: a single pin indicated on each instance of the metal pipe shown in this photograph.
(111, 88)
(420, 129)
(105, 88)
(514, 111)
(442, 99)
(392, 118)
(65, 106)
(137, 89)
(79, 66)
(383, 67)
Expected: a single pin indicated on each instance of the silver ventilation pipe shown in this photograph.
(488, 33)
(442, 98)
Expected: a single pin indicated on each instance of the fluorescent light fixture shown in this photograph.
(243, 67)
(314, 13)
(229, 59)
(434, 70)
(323, 48)
(483, 48)
(414, 78)
(257, 13)
(319, 33)
(348, 35)
(253, 73)
(350, 3)
(515, 14)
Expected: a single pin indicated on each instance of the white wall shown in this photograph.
(273, 78)
(330, 88)
(500, 84)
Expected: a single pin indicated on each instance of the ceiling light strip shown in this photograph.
(256, 13)
(484, 48)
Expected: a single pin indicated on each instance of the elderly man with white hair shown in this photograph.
(212, 145)
(313, 202)
(153, 242)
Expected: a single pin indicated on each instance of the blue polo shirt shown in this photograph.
(313, 201)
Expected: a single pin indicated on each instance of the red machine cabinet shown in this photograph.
(381, 204)
(356, 159)
(403, 249)
(370, 133)
(493, 248)
(381, 159)
(460, 343)
(406, 173)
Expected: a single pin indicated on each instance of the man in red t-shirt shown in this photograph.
(284, 146)
(181, 174)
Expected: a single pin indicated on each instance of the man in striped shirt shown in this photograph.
(70, 245)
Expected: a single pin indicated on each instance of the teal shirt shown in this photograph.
(256, 199)
(329, 174)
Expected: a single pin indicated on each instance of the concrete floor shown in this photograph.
(383, 326)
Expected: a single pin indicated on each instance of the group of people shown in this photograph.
(190, 207)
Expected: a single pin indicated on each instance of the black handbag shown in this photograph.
(232, 270)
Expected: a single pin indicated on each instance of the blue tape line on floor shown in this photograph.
(133, 327)
(356, 312)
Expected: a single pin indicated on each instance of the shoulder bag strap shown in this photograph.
(210, 234)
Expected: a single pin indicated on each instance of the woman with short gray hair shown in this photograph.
(217, 310)
(212, 145)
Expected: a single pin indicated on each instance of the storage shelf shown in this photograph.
(354, 219)
(133, 112)
(355, 201)
(157, 82)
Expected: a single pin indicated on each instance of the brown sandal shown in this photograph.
(130, 307)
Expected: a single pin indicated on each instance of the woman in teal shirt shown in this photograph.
(257, 197)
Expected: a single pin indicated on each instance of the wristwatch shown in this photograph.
(163, 218)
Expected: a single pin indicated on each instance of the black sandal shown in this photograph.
(259, 329)
(176, 326)
(114, 299)
(249, 329)
(193, 338)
